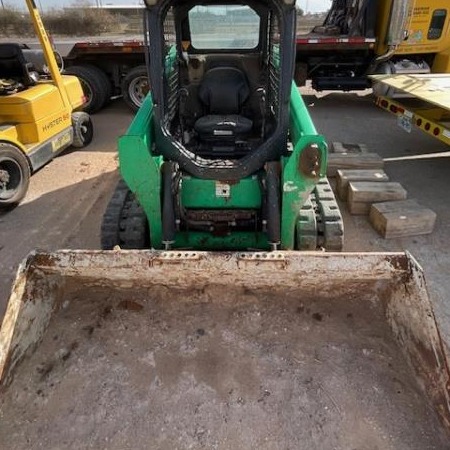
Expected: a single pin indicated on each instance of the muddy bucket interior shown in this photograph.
(199, 350)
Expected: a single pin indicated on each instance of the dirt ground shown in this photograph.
(417, 161)
(66, 199)
(63, 209)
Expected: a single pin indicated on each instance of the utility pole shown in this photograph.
(3, 5)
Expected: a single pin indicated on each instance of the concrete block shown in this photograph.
(338, 161)
(340, 147)
(402, 218)
(345, 176)
(361, 194)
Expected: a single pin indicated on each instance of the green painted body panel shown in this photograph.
(171, 57)
(295, 186)
(238, 240)
(197, 193)
(142, 173)
(141, 170)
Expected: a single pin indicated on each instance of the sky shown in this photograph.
(306, 5)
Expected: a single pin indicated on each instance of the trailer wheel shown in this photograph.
(96, 86)
(135, 87)
(14, 175)
(83, 130)
(124, 222)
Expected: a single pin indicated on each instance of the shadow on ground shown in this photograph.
(50, 222)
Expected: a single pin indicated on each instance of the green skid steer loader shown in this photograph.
(223, 155)
(205, 326)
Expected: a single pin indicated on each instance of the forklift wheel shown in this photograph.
(83, 130)
(14, 175)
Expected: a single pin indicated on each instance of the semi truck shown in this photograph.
(357, 38)
(365, 37)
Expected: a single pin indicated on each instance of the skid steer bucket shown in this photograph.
(148, 349)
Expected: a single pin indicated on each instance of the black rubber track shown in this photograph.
(124, 222)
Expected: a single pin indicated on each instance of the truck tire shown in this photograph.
(135, 87)
(124, 222)
(83, 130)
(96, 86)
(14, 175)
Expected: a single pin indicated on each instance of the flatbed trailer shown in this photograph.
(395, 37)
(422, 101)
(120, 63)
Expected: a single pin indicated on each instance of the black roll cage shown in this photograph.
(275, 145)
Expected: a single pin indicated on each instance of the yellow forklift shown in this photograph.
(40, 116)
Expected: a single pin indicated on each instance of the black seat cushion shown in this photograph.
(223, 126)
(13, 64)
(223, 91)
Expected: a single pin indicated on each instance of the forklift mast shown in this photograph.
(47, 48)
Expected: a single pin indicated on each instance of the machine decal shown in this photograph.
(61, 141)
(289, 186)
(223, 189)
(57, 121)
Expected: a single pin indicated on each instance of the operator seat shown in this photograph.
(13, 64)
(223, 91)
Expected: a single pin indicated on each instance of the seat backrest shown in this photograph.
(223, 90)
(13, 64)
